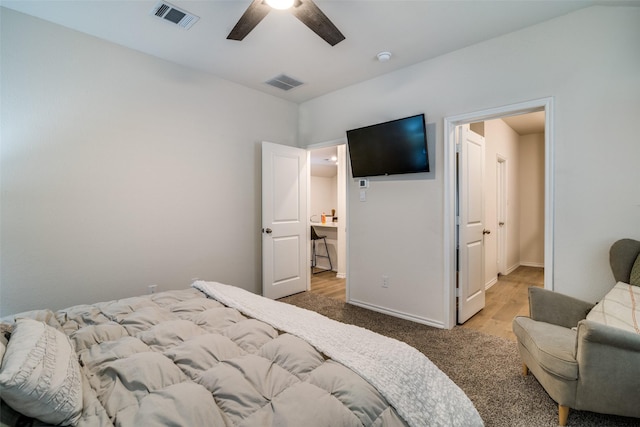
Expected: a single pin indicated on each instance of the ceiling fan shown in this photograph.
(305, 10)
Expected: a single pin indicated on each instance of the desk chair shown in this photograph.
(314, 259)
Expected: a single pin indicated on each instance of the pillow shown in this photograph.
(40, 374)
(619, 308)
(634, 279)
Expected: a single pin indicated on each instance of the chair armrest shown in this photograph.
(590, 332)
(609, 368)
(558, 309)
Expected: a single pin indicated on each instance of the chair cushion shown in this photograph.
(552, 346)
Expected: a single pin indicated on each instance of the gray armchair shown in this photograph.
(582, 364)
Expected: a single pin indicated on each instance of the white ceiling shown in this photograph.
(322, 163)
(525, 124)
(413, 31)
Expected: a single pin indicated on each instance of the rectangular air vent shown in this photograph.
(175, 15)
(284, 82)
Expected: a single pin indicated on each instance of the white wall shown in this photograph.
(120, 170)
(324, 196)
(589, 62)
(531, 199)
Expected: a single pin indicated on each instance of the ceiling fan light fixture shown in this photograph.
(280, 4)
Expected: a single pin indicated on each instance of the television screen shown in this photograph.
(390, 148)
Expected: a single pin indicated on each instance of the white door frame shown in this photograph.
(501, 209)
(450, 124)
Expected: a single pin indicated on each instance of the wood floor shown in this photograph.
(328, 285)
(504, 300)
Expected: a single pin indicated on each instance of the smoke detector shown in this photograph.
(168, 12)
(384, 56)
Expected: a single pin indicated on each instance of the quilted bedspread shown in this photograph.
(178, 358)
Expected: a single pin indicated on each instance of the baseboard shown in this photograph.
(511, 269)
(341, 275)
(532, 264)
(523, 264)
(490, 283)
(395, 313)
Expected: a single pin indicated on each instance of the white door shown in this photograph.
(470, 223)
(285, 228)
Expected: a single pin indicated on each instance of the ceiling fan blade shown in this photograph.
(311, 16)
(251, 17)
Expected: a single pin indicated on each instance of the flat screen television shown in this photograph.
(389, 148)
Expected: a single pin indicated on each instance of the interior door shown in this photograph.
(285, 228)
(471, 297)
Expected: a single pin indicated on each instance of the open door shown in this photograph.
(471, 231)
(285, 228)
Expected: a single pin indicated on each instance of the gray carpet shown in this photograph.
(486, 367)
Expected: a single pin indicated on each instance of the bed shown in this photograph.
(217, 355)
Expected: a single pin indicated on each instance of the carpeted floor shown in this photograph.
(486, 367)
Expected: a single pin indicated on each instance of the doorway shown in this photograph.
(451, 187)
(327, 197)
(513, 246)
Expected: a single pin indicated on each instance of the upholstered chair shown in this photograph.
(586, 364)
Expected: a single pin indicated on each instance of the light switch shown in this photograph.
(363, 195)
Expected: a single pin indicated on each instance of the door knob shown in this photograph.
(501, 223)
(267, 230)
(485, 231)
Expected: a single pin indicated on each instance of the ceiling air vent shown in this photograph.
(284, 82)
(169, 12)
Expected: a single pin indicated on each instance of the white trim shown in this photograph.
(400, 314)
(325, 144)
(502, 232)
(450, 124)
(532, 264)
(490, 283)
(511, 269)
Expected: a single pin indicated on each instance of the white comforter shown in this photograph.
(420, 392)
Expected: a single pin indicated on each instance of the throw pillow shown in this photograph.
(635, 273)
(40, 374)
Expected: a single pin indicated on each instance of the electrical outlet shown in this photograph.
(385, 281)
(152, 289)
